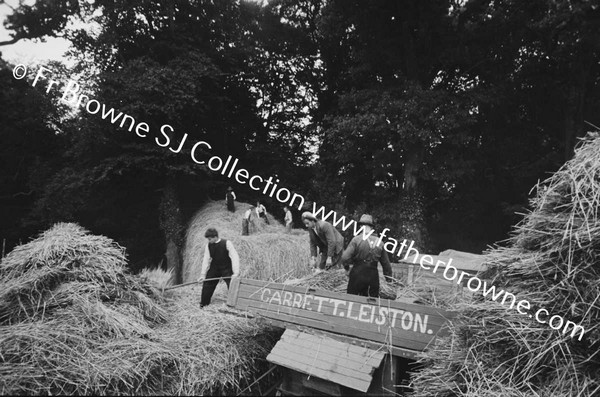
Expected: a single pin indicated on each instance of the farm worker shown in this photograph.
(288, 219)
(246, 221)
(364, 254)
(230, 199)
(326, 237)
(221, 260)
(261, 211)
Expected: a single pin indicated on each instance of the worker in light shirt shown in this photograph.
(261, 212)
(288, 219)
(221, 261)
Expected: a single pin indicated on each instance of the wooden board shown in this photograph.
(393, 350)
(402, 325)
(326, 358)
(432, 272)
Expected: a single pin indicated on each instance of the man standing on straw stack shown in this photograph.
(364, 254)
(230, 199)
(221, 261)
(325, 237)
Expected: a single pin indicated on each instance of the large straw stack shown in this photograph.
(552, 261)
(267, 254)
(72, 321)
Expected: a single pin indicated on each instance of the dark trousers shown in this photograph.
(264, 216)
(364, 281)
(208, 288)
(230, 205)
(245, 230)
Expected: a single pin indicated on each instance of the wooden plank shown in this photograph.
(410, 277)
(351, 360)
(376, 346)
(323, 386)
(395, 340)
(382, 333)
(350, 352)
(234, 288)
(316, 370)
(338, 303)
(301, 355)
(351, 298)
(373, 345)
(360, 353)
(330, 307)
(403, 325)
(336, 322)
(329, 361)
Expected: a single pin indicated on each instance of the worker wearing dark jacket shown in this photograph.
(364, 254)
(325, 237)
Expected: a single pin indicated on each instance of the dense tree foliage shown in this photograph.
(29, 146)
(437, 117)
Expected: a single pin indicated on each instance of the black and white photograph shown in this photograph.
(300, 198)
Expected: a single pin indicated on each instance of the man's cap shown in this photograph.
(366, 220)
(229, 188)
(309, 215)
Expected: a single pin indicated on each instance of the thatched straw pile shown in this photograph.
(552, 261)
(157, 277)
(72, 321)
(335, 280)
(267, 254)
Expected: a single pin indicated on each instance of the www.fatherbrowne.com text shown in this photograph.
(71, 94)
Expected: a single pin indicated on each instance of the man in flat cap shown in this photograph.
(325, 237)
(365, 254)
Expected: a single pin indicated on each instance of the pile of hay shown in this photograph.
(335, 280)
(554, 262)
(268, 254)
(73, 321)
(157, 277)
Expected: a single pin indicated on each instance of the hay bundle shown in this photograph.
(157, 277)
(66, 254)
(74, 322)
(335, 280)
(270, 254)
(423, 291)
(552, 261)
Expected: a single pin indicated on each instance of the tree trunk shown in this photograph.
(171, 223)
(414, 223)
(413, 160)
(575, 102)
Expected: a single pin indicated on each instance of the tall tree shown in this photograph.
(29, 145)
(384, 115)
(176, 63)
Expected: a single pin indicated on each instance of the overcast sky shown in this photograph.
(29, 51)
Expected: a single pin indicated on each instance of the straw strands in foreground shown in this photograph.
(73, 321)
(552, 261)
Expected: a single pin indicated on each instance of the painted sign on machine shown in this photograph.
(404, 325)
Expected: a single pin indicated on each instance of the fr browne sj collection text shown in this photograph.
(71, 94)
